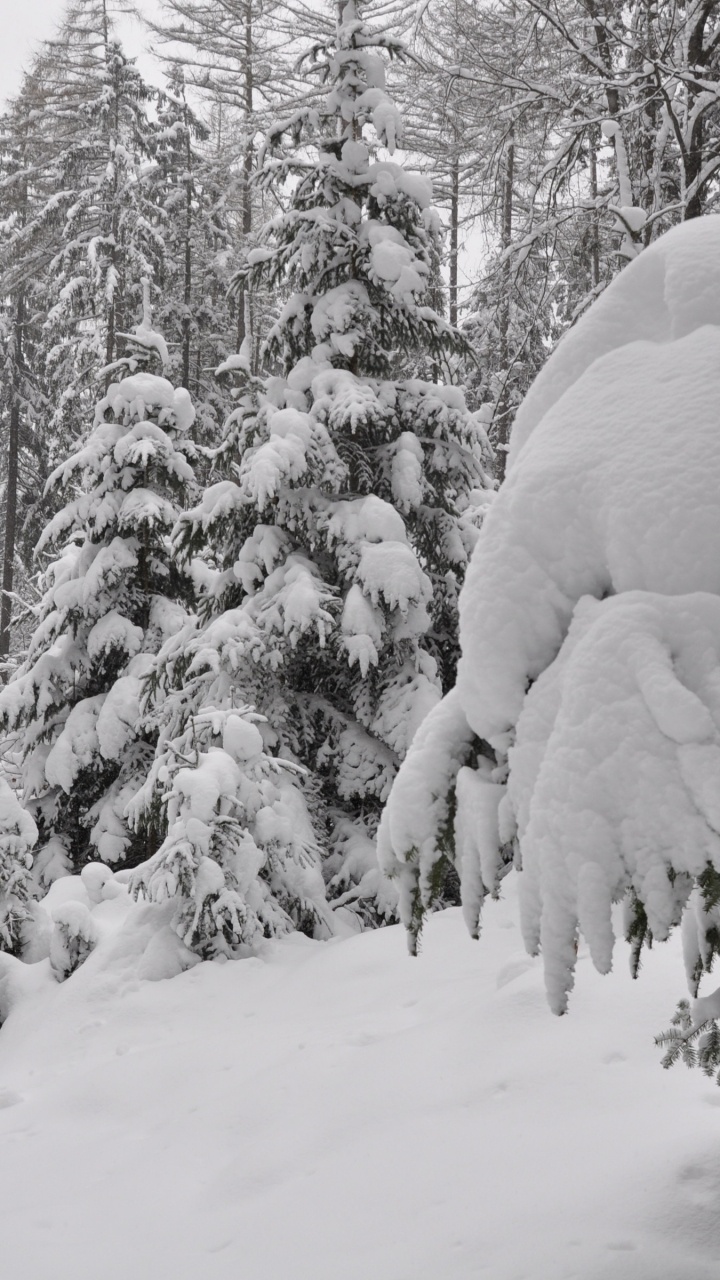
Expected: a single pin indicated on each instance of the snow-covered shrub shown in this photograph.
(18, 834)
(72, 939)
(329, 554)
(590, 630)
(111, 596)
(240, 856)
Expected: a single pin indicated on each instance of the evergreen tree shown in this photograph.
(18, 834)
(240, 855)
(108, 237)
(27, 194)
(328, 565)
(110, 599)
(235, 55)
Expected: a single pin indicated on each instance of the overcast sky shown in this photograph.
(26, 22)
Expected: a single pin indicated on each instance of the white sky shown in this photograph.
(24, 23)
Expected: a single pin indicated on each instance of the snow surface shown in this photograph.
(339, 1109)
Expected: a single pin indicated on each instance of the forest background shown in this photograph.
(237, 582)
(560, 139)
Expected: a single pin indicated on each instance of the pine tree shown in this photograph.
(108, 237)
(27, 194)
(110, 598)
(235, 56)
(328, 565)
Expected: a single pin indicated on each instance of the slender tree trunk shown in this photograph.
(112, 316)
(187, 284)
(454, 236)
(243, 317)
(11, 490)
(502, 409)
(595, 243)
(695, 142)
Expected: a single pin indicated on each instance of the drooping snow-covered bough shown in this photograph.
(590, 632)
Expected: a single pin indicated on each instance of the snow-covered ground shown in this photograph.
(339, 1109)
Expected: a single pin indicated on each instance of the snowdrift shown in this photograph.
(338, 1109)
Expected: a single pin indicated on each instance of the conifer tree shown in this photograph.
(194, 311)
(18, 834)
(108, 237)
(235, 55)
(27, 195)
(329, 558)
(110, 598)
(240, 857)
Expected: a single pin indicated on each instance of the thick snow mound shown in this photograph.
(340, 1110)
(616, 490)
(670, 290)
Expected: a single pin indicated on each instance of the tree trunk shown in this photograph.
(454, 237)
(11, 491)
(187, 283)
(243, 317)
(502, 409)
(595, 242)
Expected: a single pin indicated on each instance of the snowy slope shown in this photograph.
(339, 1109)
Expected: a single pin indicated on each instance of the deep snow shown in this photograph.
(340, 1109)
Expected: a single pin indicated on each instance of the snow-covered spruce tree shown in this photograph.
(590, 669)
(108, 234)
(329, 559)
(240, 855)
(28, 195)
(111, 596)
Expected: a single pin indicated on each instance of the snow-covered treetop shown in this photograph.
(358, 245)
(147, 346)
(135, 446)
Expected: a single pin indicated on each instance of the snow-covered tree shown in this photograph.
(582, 738)
(27, 198)
(329, 558)
(235, 55)
(240, 855)
(111, 596)
(108, 237)
(18, 834)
